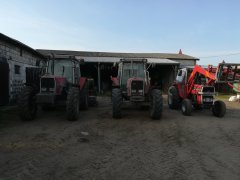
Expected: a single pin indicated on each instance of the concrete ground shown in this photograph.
(135, 147)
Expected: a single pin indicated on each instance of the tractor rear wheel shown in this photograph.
(72, 104)
(27, 104)
(173, 98)
(186, 107)
(156, 104)
(116, 103)
(219, 108)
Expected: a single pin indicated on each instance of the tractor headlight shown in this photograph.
(207, 99)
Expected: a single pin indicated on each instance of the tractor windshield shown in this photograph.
(63, 68)
(132, 69)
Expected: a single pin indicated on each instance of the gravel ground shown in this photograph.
(135, 147)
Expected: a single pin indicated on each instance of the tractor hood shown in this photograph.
(54, 83)
(135, 86)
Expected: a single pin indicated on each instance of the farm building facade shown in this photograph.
(97, 65)
(16, 56)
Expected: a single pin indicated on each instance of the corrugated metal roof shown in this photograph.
(20, 44)
(172, 56)
(115, 59)
(161, 61)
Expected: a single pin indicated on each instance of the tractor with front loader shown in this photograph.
(194, 87)
(58, 84)
(132, 83)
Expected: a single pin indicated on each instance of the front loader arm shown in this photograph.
(200, 70)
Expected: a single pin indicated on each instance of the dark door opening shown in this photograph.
(90, 70)
(106, 72)
(4, 81)
(162, 75)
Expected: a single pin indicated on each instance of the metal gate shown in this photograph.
(4, 81)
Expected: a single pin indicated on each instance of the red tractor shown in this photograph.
(60, 83)
(194, 87)
(132, 83)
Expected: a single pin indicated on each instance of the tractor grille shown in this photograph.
(47, 84)
(208, 89)
(137, 88)
(208, 96)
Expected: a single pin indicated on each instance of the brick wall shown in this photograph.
(18, 59)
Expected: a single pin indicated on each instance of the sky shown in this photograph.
(207, 29)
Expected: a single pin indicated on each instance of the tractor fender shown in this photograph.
(60, 84)
(82, 82)
(115, 81)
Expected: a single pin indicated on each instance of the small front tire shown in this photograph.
(173, 98)
(186, 107)
(219, 108)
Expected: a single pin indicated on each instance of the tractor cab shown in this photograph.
(64, 68)
(131, 68)
(181, 76)
(133, 77)
(61, 74)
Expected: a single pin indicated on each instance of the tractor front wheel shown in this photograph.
(116, 103)
(72, 104)
(27, 104)
(186, 107)
(156, 104)
(173, 98)
(219, 108)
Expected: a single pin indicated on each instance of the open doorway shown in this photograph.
(162, 76)
(4, 81)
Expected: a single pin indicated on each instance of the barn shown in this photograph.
(97, 65)
(15, 56)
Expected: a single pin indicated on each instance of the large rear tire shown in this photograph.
(156, 104)
(116, 103)
(173, 98)
(186, 107)
(27, 104)
(219, 108)
(72, 104)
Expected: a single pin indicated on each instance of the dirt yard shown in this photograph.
(135, 147)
